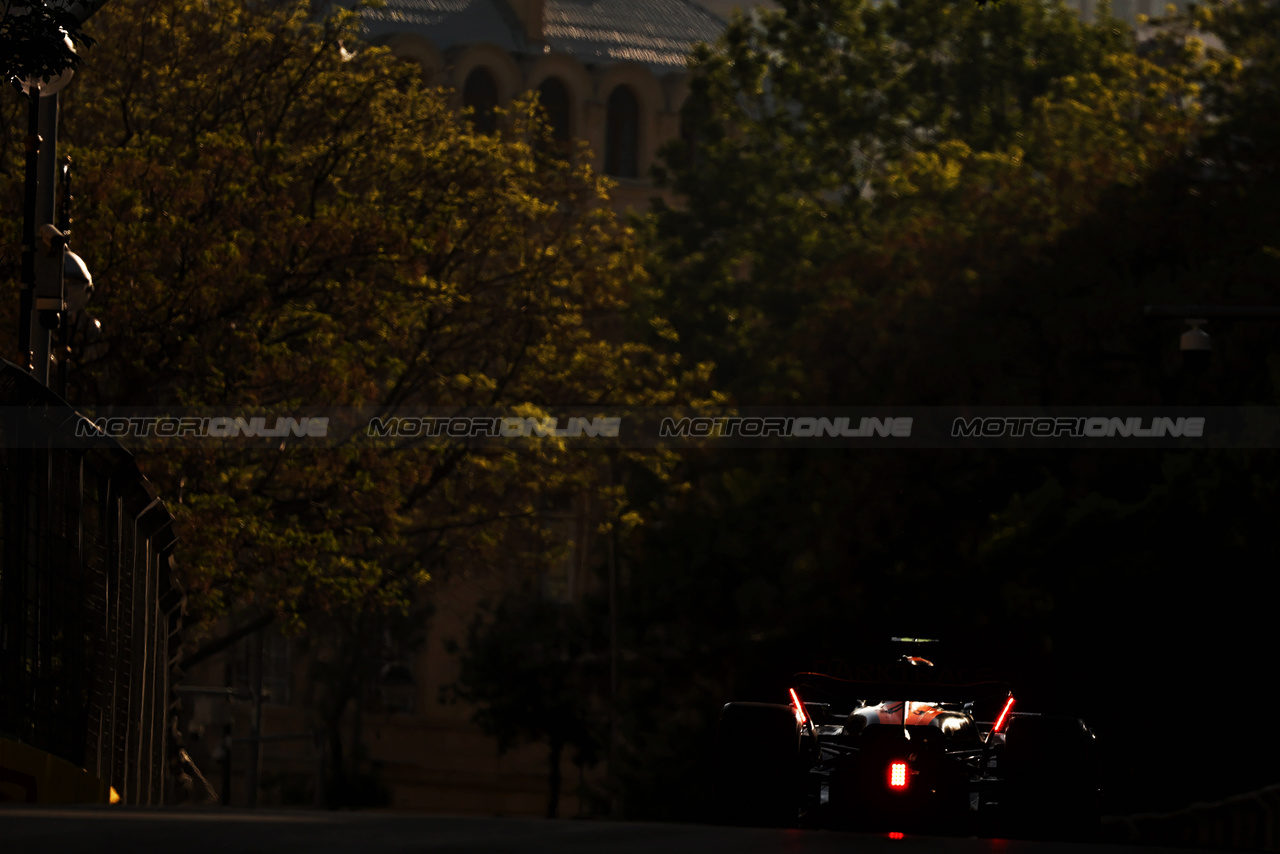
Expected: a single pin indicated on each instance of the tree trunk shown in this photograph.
(337, 787)
(553, 776)
(357, 754)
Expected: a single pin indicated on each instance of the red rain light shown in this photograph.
(802, 716)
(896, 834)
(1004, 714)
(897, 775)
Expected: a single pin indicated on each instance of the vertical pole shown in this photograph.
(64, 326)
(48, 265)
(255, 724)
(228, 731)
(613, 652)
(226, 765)
(318, 741)
(27, 299)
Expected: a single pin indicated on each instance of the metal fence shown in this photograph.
(89, 613)
(1249, 821)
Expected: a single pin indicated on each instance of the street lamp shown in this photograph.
(43, 306)
(1195, 343)
(52, 86)
(1195, 346)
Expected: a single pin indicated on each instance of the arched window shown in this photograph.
(480, 93)
(622, 134)
(554, 98)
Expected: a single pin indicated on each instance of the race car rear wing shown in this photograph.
(937, 684)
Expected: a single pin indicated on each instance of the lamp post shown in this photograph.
(45, 256)
(51, 243)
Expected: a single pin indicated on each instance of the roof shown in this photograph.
(657, 33)
(447, 23)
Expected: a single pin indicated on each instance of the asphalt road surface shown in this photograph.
(108, 830)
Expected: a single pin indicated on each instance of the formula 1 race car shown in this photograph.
(903, 747)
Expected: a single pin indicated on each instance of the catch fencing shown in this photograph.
(89, 612)
(1248, 821)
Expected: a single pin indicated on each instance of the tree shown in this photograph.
(278, 216)
(865, 212)
(1128, 525)
(273, 225)
(534, 669)
(348, 650)
(801, 119)
(927, 204)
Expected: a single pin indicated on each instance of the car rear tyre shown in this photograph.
(1050, 767)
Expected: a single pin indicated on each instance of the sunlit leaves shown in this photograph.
(276, 220)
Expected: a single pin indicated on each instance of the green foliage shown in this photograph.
(527, 665)
(926, 203)
(278, 216)
(535, 671)
(347, 650)
(806, 120)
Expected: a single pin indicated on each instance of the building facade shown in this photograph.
(610, 72)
